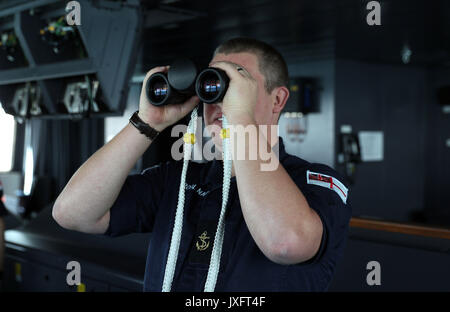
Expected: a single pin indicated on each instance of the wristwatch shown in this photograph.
(143, 127)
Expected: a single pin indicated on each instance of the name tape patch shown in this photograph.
(328, 182)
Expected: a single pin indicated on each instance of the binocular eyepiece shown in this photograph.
(183, 81)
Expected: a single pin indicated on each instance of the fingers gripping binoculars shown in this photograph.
(183, 81)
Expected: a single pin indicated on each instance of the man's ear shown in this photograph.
(280, 97)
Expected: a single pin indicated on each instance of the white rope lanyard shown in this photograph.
(213, 271)
(214, 264)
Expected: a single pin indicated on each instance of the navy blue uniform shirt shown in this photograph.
(148, 201)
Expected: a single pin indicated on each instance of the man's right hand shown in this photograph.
(160, 117)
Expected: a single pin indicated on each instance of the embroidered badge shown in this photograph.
(328, 182)
(204, 244)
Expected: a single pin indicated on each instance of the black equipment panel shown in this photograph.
(36, 256)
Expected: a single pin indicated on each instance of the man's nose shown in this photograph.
(216, 105)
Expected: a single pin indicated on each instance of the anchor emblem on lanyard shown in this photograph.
(204, 244)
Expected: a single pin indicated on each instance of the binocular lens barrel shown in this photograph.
(178, 85)
(157, 89)
(211, 85)
(174, 87)
(160, 92)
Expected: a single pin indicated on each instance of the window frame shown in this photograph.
(14, 155)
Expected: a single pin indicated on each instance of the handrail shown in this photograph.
(397, 227)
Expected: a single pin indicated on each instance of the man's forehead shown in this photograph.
(245, 59)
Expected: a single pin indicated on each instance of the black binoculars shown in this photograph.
(183, 81)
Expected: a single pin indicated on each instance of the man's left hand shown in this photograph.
(240, 99)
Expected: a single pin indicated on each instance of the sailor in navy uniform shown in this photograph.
(147, 204)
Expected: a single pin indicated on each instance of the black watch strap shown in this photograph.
(143, 127)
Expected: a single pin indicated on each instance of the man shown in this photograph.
(284, 229)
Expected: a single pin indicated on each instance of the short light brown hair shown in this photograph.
(271, 63)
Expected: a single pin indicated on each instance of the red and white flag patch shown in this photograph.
(328, 182)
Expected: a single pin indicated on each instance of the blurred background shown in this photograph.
(369, 97)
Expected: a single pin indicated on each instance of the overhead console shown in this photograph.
(52, 69)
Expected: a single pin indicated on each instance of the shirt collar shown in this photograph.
(281, 150)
